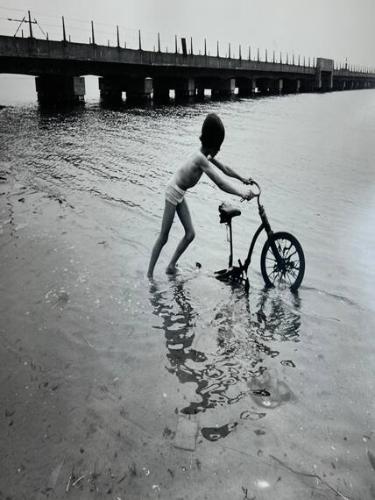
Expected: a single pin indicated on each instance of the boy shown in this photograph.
(185, 178)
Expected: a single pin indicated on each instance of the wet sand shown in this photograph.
(87, 416)
(99, 365)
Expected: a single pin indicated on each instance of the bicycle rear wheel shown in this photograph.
(289, 269)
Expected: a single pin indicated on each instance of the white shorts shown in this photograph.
(173, 193)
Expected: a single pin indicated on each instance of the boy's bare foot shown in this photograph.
(171, 269)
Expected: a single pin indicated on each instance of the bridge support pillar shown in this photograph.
(110, 90)
(318, 81)
(246, 88)
(253, 86)
(324, 74)
(223, 88)
(330, 82)
(280, 86)
(139, 89)
(277, 86)
(60, 89)
(185, 89)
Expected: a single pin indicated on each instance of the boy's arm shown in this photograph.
(223, 184)
(229, 171)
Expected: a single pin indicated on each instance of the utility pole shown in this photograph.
(63, 26)
(92, 33)
(30, 27)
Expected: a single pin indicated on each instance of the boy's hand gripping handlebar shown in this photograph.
(256, 195)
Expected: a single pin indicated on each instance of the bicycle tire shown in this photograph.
(293, 275)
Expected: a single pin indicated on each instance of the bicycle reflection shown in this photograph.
(241, 366)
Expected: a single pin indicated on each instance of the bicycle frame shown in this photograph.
(281, 248)
(265, 225)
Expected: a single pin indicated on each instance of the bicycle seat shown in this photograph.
(227, 212)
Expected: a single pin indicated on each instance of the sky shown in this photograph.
(336, 29)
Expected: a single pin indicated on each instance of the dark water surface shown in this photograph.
(270, 374)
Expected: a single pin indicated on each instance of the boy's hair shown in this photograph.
(213, 131)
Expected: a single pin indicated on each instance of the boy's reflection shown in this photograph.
(238, 368)
(178, 322)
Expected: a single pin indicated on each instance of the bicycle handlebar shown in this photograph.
(256, 195)
(254, 183)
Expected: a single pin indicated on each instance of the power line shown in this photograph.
(86, 22)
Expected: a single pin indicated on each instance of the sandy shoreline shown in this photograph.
(73, 424)
(80, 419)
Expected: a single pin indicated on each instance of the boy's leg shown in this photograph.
(183, 213)
(168, 216)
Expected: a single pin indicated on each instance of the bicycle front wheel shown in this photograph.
(288, 267)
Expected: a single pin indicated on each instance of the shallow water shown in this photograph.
(281, 375)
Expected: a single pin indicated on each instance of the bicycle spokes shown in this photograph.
(283, 262)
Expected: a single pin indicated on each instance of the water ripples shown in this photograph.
(240, 365)
(113, 165)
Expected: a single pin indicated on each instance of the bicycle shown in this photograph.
(282, 260)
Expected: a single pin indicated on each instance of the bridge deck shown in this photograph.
(95, 59)
(60, 64)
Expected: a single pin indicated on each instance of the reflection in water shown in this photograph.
(269, 392)
(240, 365)
(178, 323)
(215, 433)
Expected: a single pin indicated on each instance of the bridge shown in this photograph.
(60, 67)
